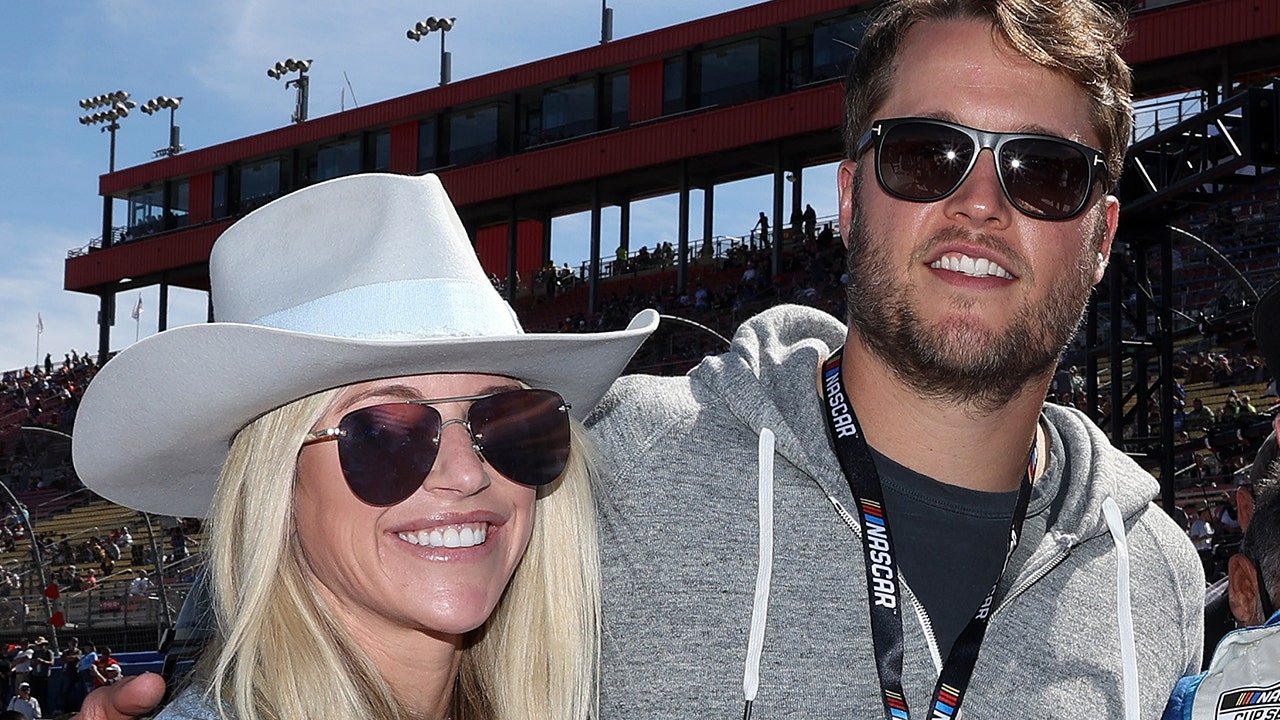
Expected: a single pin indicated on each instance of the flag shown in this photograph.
(137, 308)
(39, 324)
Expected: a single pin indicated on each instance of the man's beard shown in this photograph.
(963, 363)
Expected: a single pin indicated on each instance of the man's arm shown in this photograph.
(125, 700)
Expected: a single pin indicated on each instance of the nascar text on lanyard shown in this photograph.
(882, 566)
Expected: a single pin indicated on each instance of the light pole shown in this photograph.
(431, 25)
(606, 22)
(118, 106)
(157, 104)
(301, 67)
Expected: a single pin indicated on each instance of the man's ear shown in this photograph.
(1244, 507)
(1111, 208)
(846, 176)
(1242, 589)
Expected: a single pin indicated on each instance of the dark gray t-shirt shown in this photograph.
(951, 541)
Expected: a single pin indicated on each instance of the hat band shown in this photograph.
(402, 310)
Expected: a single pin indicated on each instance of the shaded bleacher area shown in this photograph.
(729, 280)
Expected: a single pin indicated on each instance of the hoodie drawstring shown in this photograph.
(764, 573)
(1124, 607)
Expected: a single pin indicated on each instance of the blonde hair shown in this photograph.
(279, 648)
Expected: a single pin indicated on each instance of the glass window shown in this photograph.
(618, 99)
(730, 74)
(337, 160)
(427, 160)
(473, 135)
(146, 213)
(259, 184)
(531, 124)
(381, 151)
(221, 195)
(569, 110)
(673, 86)
(180, 203)
(834, 42)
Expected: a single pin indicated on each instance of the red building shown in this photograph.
(750, 92)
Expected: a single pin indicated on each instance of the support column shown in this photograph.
(779, 180)
(593, 272)
(162, 319)
(513, 254)
(708, 223)
(107, 300)
(797, 195)
(682, 249)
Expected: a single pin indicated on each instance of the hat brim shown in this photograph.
(154, 426)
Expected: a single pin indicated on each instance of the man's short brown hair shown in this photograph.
(1080, 39)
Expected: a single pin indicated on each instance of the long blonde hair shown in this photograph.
(281, 654)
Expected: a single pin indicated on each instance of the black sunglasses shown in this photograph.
(386, 451)
(925, 160)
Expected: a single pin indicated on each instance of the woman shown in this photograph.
(402, 526)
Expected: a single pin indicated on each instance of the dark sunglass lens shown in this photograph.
(523, 434)
(1044, 177)
(923, 161)
(387, 450)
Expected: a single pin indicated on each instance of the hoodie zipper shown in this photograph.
(1030, 580)
(921, 614)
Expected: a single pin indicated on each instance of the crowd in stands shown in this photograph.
(44, 396)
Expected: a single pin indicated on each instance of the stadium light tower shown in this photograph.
(301, 67)
(157, 104)
(431, 25)
(117, 106)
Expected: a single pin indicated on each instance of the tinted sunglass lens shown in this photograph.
(386, 451)
(1045, 178)
(523, 434)
(923, 161)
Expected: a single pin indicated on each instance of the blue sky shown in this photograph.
(215, 55)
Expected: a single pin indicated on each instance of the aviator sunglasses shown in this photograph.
(387, 450)
(925, 160)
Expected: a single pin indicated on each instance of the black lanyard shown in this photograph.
(882, 566)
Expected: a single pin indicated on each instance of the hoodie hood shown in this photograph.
(770, 380)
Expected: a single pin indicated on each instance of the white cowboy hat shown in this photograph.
(363, 277)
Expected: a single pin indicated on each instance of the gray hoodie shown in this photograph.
(681, 523)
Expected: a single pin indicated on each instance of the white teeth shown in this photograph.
(452, 536)
(962, 263)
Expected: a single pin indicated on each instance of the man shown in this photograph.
(964, 292)
(20, 667)
(961, 304)
(24, 703)
(41, 668)
(85, 668)
(1262, 477)
(1245, 661)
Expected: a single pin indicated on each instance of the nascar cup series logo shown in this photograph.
(1250, 704)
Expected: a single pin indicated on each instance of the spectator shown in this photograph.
(20, 672)
(1247, 660)
(41, 668)
(762, 226)
(141, 585)
(85, 669)
(24, 703)
(102, 666)
(1200, 417)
